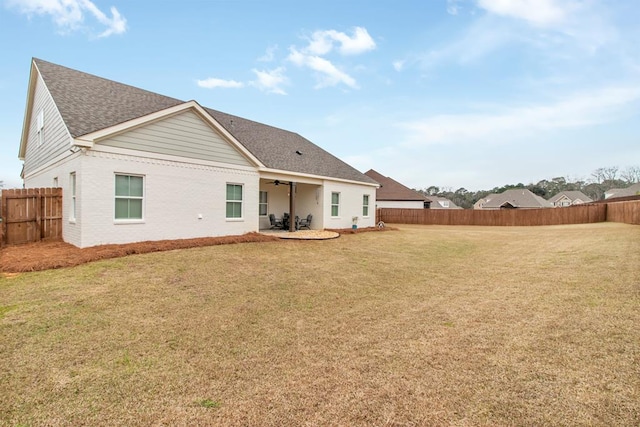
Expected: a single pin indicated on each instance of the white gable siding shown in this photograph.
(184, 135)
(56, 141)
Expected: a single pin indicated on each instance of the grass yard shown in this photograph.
(427, 325)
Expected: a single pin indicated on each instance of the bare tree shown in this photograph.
(631, 174)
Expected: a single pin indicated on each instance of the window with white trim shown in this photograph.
(129, 197)
(40, 127)
(234, 201)
(365, 205)
(72, 188)
(263, 207)
(335, 204)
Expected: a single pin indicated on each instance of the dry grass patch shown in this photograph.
(422, 326)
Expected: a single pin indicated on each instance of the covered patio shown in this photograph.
(291, 203)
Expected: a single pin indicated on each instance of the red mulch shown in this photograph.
(49, 255)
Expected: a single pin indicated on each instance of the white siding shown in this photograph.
(56, 138)
(184, 135)
(180, 200)
(350, 205)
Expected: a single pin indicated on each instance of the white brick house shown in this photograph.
(135, 165)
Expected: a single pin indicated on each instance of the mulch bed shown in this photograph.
(49, 255)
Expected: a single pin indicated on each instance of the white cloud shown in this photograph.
(587, 109)
(328, 74)
(537, 12)
(212, 83)
(322, 42)
(269, 54)
(270, 81)
(69, 15)
(398, 65)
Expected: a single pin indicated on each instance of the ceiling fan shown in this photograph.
(277, 182)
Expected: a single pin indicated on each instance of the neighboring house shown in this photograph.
(517, 198)
(392, 194)
(437, 202)
(632, 190)
(569, 198)
(136, 165)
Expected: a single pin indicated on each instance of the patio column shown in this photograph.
(292, 206)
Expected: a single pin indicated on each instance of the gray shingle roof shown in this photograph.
(518, 198)
(89, 103)
(392, 190)
(632, 190)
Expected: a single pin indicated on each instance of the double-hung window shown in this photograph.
(365, 205)
(262, 204)
(129, 197)
(234, 201)
(335, 204)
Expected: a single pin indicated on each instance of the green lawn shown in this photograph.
(427, 325)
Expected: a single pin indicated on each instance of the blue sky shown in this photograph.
(458, 93)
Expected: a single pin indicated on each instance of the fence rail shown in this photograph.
(30, 215)
(627, 212)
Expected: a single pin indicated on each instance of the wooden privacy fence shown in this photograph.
(627, 212)
(582, 214)
(30, 215)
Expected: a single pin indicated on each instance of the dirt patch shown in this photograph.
(49, 255)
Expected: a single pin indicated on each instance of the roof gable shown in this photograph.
(571, 195)
(184, 134)
(392, 190)
(89, 104)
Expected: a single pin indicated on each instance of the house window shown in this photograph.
(444, 203)
(40, 127)
(234, 201)
(262, 204)
(129, 197)
(365, 205)
(335, 204)
(72, 187)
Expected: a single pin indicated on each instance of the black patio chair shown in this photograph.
(305, 222)
(275, 222)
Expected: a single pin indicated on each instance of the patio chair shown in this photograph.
(305, 222)
(275, 222)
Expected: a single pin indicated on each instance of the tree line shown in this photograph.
(601, 180)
